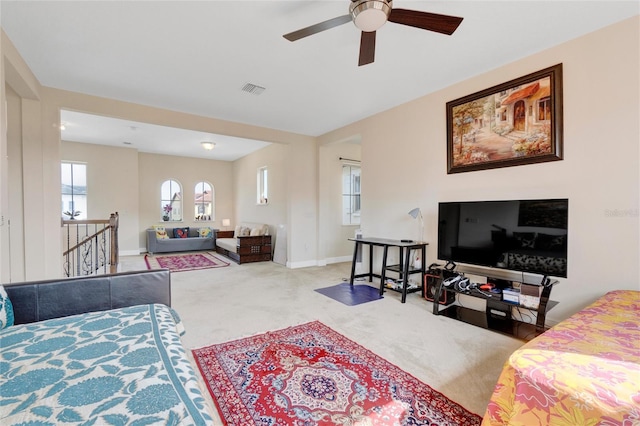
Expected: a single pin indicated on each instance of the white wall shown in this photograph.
(404, 162)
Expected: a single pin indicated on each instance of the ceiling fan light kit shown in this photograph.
(369, 15)
(208, 145)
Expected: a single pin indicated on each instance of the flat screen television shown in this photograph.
(517, 235)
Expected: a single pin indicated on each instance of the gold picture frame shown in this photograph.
(511, 124)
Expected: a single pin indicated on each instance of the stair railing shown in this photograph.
(90, 246)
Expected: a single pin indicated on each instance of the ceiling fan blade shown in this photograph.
(314, 29)
(427, 21)
(367, 48)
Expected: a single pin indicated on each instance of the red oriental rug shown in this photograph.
(185, 261)
(311, 375)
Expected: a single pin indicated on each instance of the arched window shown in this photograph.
(171, 201)
(204, 197)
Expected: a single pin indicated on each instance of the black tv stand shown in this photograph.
(450, 266)
(497, 315)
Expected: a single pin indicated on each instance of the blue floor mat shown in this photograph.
(351, 295)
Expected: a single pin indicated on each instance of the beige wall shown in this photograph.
(112, 186)
(13, 261)
(31, 122)
(599, 173)
(293, 189)
(154, 169)
(404, 164)
(333, 243)
(40, 142)
(302, 213)
(275, 158)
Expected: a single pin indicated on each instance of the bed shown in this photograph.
(583, 371)
(111, 367)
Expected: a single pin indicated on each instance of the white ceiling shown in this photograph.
(145, 137)
(195, 56)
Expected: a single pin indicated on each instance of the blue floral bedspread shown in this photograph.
(121, 367)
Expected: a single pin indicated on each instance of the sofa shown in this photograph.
(103, 349)
(248, 242)
(193, 242)
(584, 370)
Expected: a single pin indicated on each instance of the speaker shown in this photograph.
(432, 280)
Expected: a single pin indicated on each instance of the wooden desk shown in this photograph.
(403, 268)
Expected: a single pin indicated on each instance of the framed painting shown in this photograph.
(511, 124)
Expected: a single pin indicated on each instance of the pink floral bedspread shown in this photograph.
(583, 371)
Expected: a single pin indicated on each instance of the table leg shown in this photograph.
(353, 262)
(384, 269)
(405, 275)
(424, 269)
(370, 262)
(436, 296)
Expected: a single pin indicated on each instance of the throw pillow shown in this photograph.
(161, 232)
(6, 309)
(245, 231)
(236, 232)
(526, 239)
(255, 232)
(181, 232)
(551, 242)
(205, 232)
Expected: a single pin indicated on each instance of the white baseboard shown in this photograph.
(130, 252)
(322, 262)
(303, 264)
(340, 259)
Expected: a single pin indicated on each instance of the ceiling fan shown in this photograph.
(370, 15)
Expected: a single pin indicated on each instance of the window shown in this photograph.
(350, 194)
(544, 109)
(74, 190)
(263, 192)
(171, 201)
(204, 200)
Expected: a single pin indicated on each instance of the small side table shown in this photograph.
(403, 268)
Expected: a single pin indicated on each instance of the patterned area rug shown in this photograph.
(311, 375)
(185, 261)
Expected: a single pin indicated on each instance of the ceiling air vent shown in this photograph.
(253, 89)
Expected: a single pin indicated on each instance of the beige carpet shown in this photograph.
(217, 305)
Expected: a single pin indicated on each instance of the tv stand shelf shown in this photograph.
(497, 315)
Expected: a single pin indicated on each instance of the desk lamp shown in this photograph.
(414, 214)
